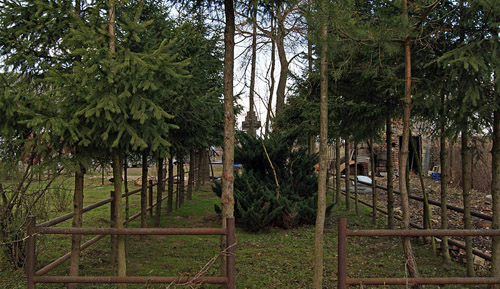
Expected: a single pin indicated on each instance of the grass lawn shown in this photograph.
(273, 259)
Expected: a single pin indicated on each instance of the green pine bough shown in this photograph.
(256, 204)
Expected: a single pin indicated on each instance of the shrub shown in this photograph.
(21, 195)
(257, 204)
(61, 198)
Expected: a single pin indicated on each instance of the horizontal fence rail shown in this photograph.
(51, 266)
(453, 242)
(436, 203)
(422, 233)
(96, 205)
(131, 280)
(423, 281)
(44, 228)
(68, 216)
(344, 281)
(34, 277)
(127, 231)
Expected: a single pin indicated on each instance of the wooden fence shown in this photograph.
(37, 276)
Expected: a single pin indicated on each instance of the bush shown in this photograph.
(61, 199)
(20, 196)
(257, 204)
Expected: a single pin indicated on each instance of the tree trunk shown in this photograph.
(159, 192)
(320, 216)
(253, 125)
(338, 189)
(495, 193)
(177, 187)
(125, 183)
(347, 174)
(120, 239)
(427, 208)
(203, 164)
(466, 188)
(190, 176)
(443, 158)
(206, 167)
(211, 169)
(227, 197)
(170, 199)
(450, 158)
(495, 177)
(311, 138)
(356, 200)
(112, 49)
(117, 164)
(273, 65)
(374, 185)
(127, 203)
(181, 178)
(77, 223)
(403, 158)
(102, 173)
(144, 189)
(390, 183)
(198, 170)
(280, 44)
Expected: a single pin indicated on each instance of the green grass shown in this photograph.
(273, 259)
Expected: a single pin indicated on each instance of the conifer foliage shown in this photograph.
(257, 203)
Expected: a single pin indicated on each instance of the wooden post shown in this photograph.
(30, 254)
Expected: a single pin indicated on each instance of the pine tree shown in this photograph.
(322, 179)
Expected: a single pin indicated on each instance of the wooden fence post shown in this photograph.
(30, 254)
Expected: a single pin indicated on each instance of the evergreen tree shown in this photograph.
(322, 179)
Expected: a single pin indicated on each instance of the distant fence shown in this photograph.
(343, 281)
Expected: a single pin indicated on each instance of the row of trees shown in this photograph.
(386, 60)
(434, 61)
(84, 81)
(107, 76)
